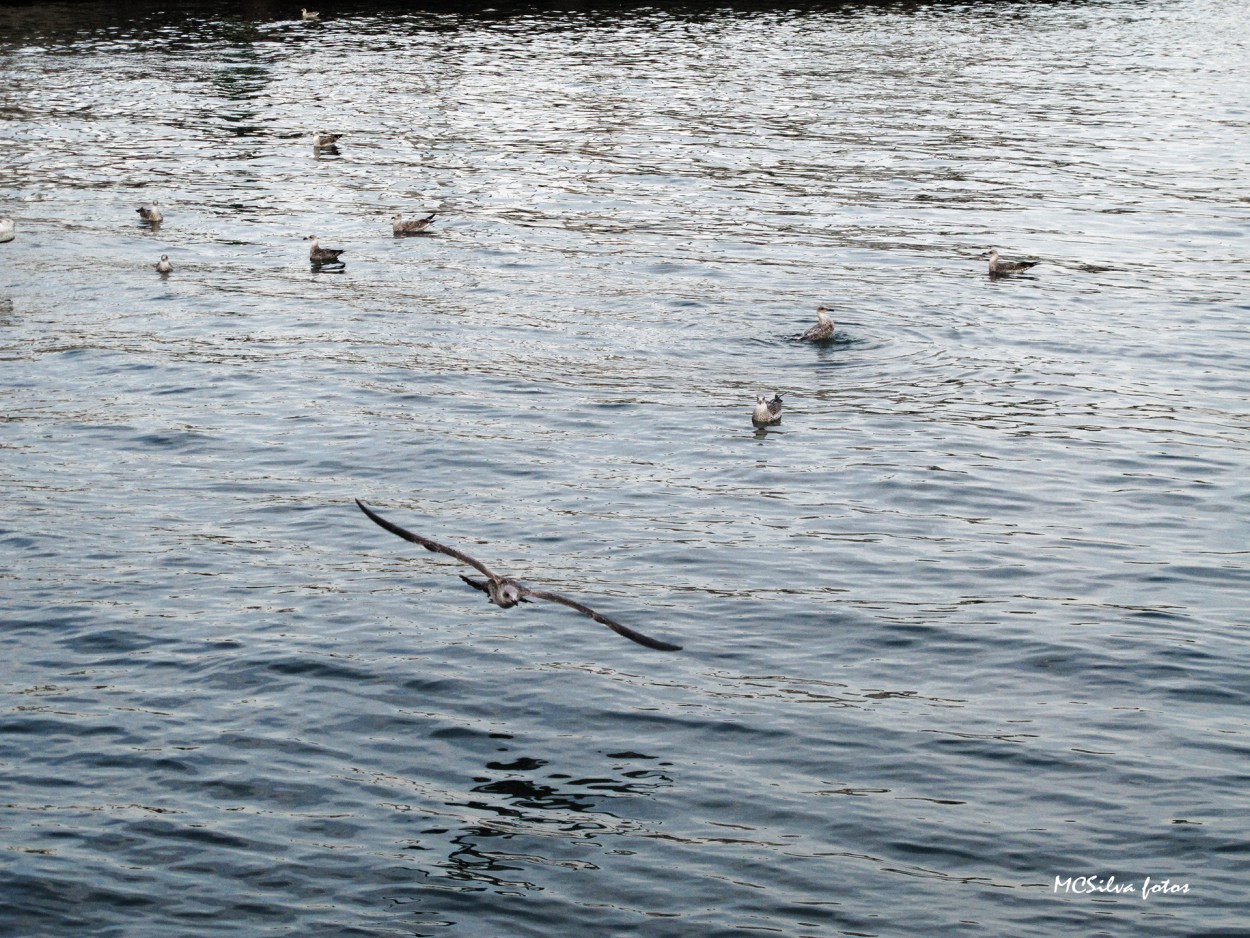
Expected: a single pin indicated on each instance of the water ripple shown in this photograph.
(964, 622)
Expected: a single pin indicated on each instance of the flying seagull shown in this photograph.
(822, 330)
(998, 267)
(319, 255)
(412, 226)
(766, 412)
(506, 592)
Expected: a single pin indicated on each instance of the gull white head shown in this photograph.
(506, 593)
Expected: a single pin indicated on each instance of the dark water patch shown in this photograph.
(321, 669)
(54, 905)
(114, 641)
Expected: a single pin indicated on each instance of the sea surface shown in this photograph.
(965, 635)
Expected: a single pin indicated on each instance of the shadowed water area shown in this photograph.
(970, 619)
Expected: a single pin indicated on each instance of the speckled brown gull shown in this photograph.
(506, 592)
(319, 255)
(151, 213)
(822, 330)
(766, 412)
(412, 226)
(999, 267)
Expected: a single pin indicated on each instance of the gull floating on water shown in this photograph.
(506, 592)
(163, 265)
(1000, 267)
(151, 213)
(319, 255)
(7, 229)
(324, 140)
(412, 226)
(308, 14)
(766, 412)
(822, 330)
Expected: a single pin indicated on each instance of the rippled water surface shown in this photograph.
(972, 618)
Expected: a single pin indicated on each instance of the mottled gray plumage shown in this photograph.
(412, 226)
(822, 330)
(319, 255)
(999, 267)
(766, 412)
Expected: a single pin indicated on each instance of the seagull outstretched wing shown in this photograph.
(424, 541)
(602, 619)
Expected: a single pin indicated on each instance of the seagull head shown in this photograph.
(505, 593)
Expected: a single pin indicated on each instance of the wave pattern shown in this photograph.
(969, 619)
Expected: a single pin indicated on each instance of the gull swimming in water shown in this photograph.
(308, 15)
(1000, 267)
(822, 330)
(766, 412)
(151, 213)
(323, 140)
(7, 229)
(163, 265)
(506, 592)
(412, 226)
(319, 255)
